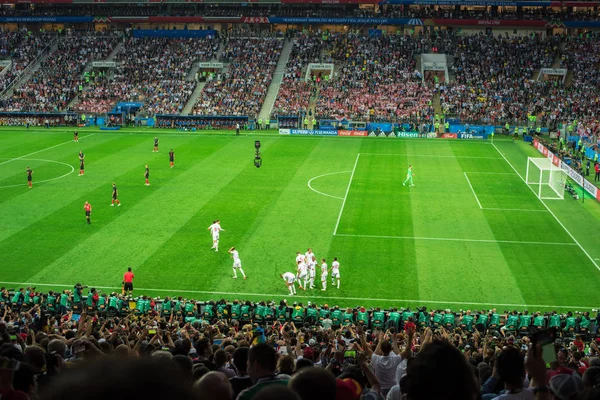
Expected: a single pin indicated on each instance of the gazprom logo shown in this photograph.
(415, 21)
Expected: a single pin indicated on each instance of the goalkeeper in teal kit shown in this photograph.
(409, 175)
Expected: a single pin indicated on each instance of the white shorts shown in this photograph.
(215, 237)
(324, 276)
(335, 274)
(291, 281)
(302, 276)
(237, 264)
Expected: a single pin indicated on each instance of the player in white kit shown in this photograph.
(335, 272)
(312, 264)
(302, 275)
(214, 229)
(237, 263)
(324, 273)
(289, 279)
(300, 257)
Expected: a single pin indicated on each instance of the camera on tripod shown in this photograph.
(257, 159)
(571, 191)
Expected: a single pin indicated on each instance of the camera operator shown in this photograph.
(78, 295)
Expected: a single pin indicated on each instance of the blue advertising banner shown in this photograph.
(47, 19)
(346, 21)
(139, 33)
(319, 132)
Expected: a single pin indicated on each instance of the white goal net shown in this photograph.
(547, 180)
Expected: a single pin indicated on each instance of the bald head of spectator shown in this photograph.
(314, 384)
(57, 347)
(214, 386)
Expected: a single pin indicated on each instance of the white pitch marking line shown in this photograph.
(490, 173)
(45, 180)
(320, 176)
(549, 210)
(473, 190)
(271, 295)
(513, 209)
(456, 239)
(346, 195)
(47, 148)
(429, 155)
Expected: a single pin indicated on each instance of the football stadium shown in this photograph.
(300, 200)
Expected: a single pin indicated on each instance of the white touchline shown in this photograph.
(47, 148)
(513, 209)
(346, 195)
(456, 239)
(473, 190)
(429, 155)
(45, 180)
(271, 295)
(325, 194)
(549, 210)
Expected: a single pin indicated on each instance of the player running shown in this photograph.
(335, 272)
(29, 177)
(155, 145)
(172, 158)
(147, 175)
(324, 274)
(214, 229)
(302, 275)
(409, 176)
(76, 136)
(88, 211)
(289, 279)
(237, 263)
(81, 162)
(115, 196)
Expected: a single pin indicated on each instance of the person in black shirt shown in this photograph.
(147, 175)
(29, 177)
(81, 162)
(76, 136)
(155, 145)
(241, 381)
(172, 158)
(115, 196)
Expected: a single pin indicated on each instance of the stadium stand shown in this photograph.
(57, 334)
(241, 90)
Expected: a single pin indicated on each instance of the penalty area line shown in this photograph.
(272, 295)
(47, 148)
(456, 239)
(346, 195)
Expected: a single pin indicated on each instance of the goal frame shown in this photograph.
(554, 174)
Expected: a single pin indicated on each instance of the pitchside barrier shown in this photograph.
(574, 175)
(404, 135)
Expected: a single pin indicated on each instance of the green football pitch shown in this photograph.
(469, 234)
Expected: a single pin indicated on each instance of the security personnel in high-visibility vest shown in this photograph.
(447, 126)
(507, 128)
(260, 123)
(538, 130)
(595, 157)
(305, 123)
(437, 127)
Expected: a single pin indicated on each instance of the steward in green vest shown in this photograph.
(101, 304)
(177, 307)
(281, 313)
(189, 309)
(312, 315)
(378, 319)
(595, 157)
(507, 128)
(570, 323)
(260, 123)
(305, 123)
(584, 323)
(209, 312)
(236, 310)
(245, 313)
(18, 298)
(539, 321)
(423, 319)
(323, 314)
(437, 126)
(222, 312)
(298, 314)
(538, 130)
(269, 314)
(511, 322)
(393, 319)
(362, 316)
(50, 302)
(554, 321)
(467, 322)
(140, 306)
(348, 317)
(64, 302)
(447, 126)
(449, 320)
(438, 319)
(336, 318)
(113, 304)
(167, 307)
(524, 321)
(494, 320)
(481, 322)
(259, 313)
(407, 314)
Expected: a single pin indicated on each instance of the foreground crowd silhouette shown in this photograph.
(70, 345)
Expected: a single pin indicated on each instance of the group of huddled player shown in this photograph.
(306, 272)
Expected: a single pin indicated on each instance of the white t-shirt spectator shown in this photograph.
(385, 369)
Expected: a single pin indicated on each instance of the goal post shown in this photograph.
(547, 180)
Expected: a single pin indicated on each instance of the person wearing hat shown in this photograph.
(566, 387)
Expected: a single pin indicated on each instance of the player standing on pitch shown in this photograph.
(324, 273)
(214, 229)
(155, 145)
(409, 175)
(237, 263)
(29, 177)
(172, 158)
(289, 279)
(335, 272)
(81, 162)
(76, 136)
(147, 175)
(115, 196)
(88, 211)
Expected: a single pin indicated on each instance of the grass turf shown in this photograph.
(470, 234)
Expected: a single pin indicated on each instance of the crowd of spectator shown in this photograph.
(56, 345)
(60, 74)
(309, 10)
(374, 79)
(21, 48)
(153, 71)
(294, 91)
(243, 87)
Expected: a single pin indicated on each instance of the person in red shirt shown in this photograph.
(409, 326)
(128, 282)
(88, 211)
(597, 169)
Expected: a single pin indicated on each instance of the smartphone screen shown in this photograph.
(545, 339)
(350, 354)
(217, 341)
(152, 332)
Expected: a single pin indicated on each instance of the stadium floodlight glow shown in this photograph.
(547, 180)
